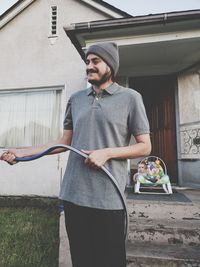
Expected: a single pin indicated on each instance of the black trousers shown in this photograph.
(96, 237)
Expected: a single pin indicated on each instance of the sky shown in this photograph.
(146, 7)
(135, 7)
(5, 4)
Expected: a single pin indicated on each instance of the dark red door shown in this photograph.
(159, 99)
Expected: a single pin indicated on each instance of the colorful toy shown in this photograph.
(151, 173)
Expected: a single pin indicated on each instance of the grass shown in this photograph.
(29, 236)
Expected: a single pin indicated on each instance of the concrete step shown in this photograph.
(164, 234)
(165, 211)
(151, 255)
(164, 222)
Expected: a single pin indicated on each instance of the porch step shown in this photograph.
(168, 212)
(167, 223)
(146, 255)
(158, 233)
(163, 234)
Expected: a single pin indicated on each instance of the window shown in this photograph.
(54, 20)
(29, 118)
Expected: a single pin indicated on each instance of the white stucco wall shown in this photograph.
(189, 113)
(189, 129)
(189, 97)
(29, 59)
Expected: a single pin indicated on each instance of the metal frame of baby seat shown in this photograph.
(167, 189)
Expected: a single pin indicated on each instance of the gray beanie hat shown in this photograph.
(108, 52)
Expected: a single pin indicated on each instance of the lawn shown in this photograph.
(29, 234)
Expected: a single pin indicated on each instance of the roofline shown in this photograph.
(95, 4)
(13, 11)
(101, 2)
(113, 8)
(152, 19)
(20, 5)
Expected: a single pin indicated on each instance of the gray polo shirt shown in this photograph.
(108, 121)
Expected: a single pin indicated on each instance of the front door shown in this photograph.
(159, 99)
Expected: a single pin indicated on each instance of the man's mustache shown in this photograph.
(91, 71)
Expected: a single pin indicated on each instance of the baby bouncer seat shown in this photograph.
(152, 172)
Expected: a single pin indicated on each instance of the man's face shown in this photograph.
(98, 72)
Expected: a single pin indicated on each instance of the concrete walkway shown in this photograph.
(64, 252)
(138, 206)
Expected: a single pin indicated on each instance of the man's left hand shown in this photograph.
(96, 158)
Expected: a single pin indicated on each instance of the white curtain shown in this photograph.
(29, 118)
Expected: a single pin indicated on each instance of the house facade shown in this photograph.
(40, 68)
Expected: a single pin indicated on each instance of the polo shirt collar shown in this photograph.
(110, 89)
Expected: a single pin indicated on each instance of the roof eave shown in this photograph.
(94, 26)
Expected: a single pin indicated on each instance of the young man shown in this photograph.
(99, 121)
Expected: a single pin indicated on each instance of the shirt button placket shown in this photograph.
(95, 102)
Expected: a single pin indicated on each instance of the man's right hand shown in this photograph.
(9, 157)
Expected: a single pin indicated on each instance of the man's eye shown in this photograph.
(96, 61)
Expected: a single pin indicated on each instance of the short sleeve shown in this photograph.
(68, 123)
(137, 121)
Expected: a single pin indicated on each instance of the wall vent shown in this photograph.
(53, 20)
